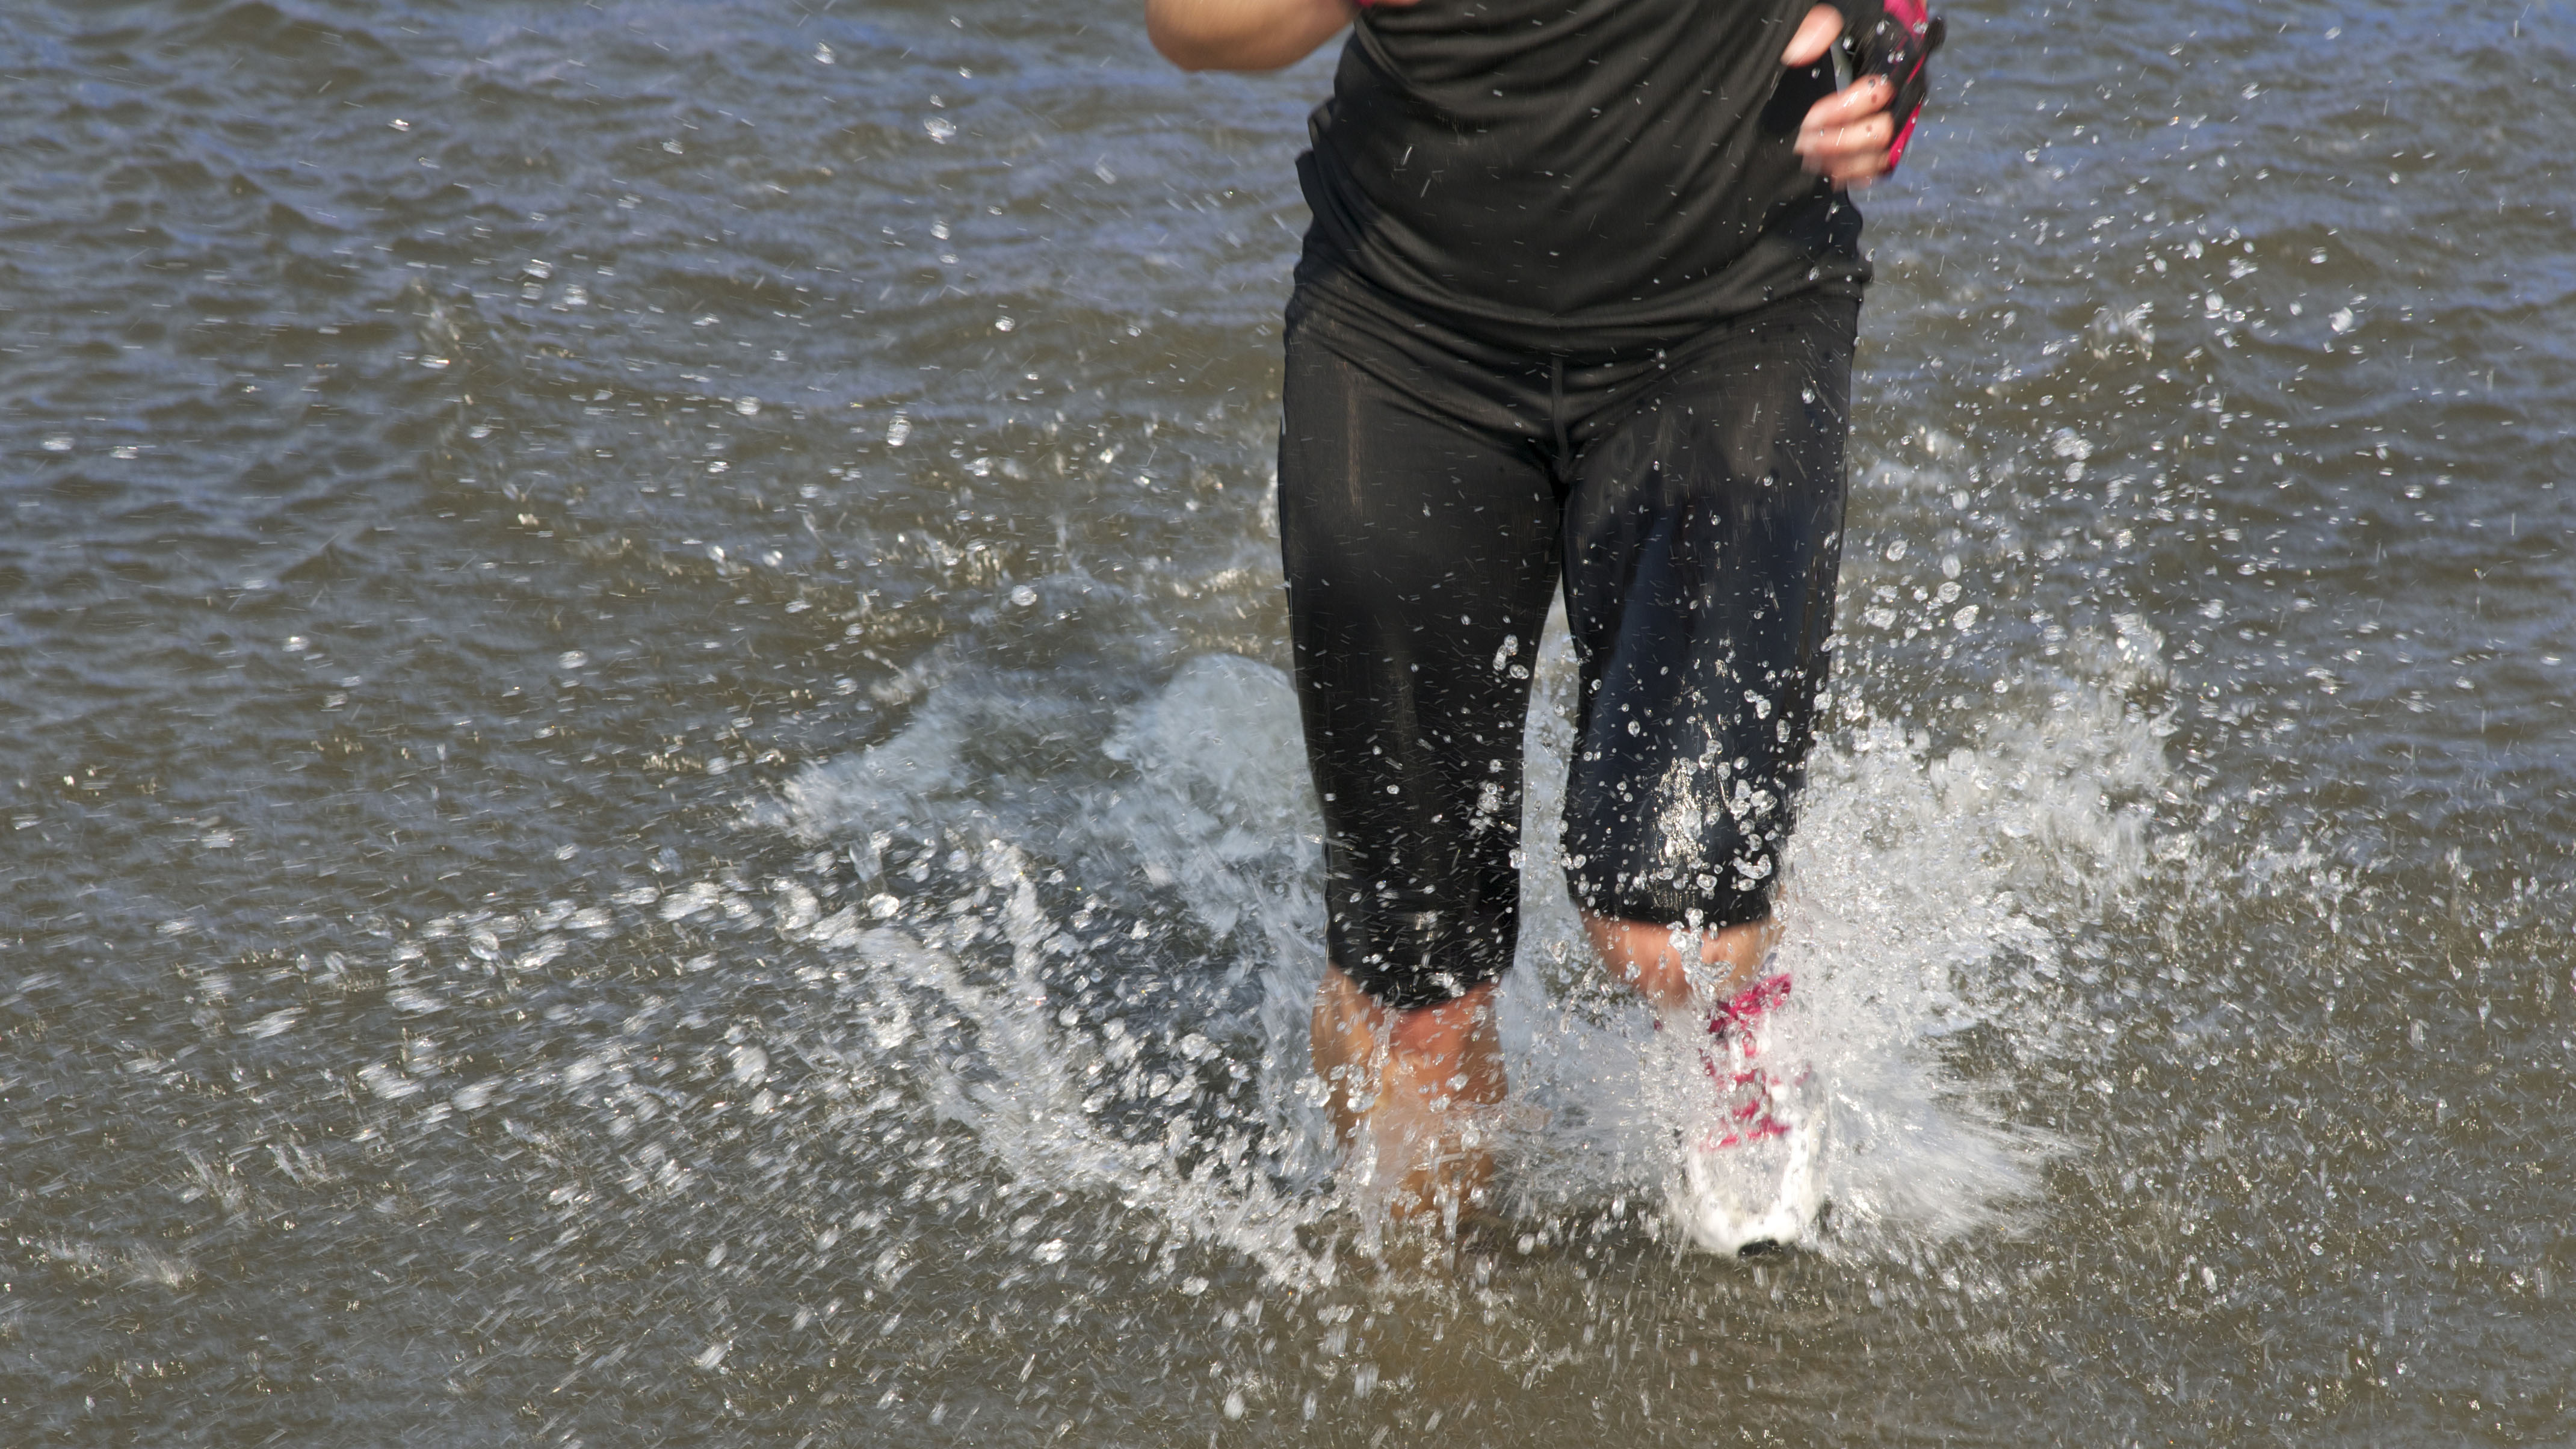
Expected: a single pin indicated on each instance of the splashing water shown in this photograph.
(1175, 1080)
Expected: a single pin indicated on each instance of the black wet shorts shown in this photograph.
(1433, 491)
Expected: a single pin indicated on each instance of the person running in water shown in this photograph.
(1577, 308)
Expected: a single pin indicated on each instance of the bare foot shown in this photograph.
(1410, 1094)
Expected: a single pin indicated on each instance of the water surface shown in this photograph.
(646, 793)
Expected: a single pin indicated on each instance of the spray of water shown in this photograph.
(1921, 880)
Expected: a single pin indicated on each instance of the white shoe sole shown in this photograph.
(1752, 1197)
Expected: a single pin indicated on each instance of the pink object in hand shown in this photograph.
(1897, 45)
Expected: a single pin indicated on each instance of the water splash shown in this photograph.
(1918, 880)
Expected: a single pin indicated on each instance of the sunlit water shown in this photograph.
(647, 793)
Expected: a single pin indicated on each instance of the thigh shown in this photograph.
(1419, 550)
(1702, 539)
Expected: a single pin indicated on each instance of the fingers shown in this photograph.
(1846, 135)
(1825, 134)
(1847, 154)
(1815, 34)
(1865, 97)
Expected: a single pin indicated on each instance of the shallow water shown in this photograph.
(648, 797)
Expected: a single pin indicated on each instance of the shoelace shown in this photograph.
(1728, 1057)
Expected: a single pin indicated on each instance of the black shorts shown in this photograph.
(1433, 489)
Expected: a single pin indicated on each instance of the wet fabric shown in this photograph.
(1611, 172)
(1434, 489)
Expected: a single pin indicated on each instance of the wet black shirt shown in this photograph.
(1574, 174)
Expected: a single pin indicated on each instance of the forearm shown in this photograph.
(1243, 34)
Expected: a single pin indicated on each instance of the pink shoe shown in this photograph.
(1744, 1089)
(1751, 1173)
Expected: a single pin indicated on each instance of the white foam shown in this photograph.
(1032, 1098)
(1223, 809)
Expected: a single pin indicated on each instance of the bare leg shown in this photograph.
(1406, 1079)
(1645, 956)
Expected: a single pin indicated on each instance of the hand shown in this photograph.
(1846, 135)
(1246, 34)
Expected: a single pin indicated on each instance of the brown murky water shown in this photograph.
(645, 793)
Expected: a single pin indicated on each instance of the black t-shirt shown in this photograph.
(1574, 174)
